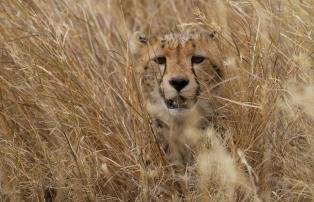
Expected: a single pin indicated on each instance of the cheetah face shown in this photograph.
(177, 70)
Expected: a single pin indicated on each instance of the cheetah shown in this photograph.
(179, 73)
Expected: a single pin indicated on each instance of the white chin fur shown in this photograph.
(178, 112)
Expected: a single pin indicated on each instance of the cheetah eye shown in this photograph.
(197, 59)
(161, 60)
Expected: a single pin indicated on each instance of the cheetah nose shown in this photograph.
(179, 82)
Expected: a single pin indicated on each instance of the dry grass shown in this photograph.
(73, 126)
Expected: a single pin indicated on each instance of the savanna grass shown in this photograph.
(73, 125)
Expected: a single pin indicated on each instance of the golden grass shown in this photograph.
(73, 126)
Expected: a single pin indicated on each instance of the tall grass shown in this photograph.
(73, 125)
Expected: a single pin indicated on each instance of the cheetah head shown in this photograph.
(178, 71)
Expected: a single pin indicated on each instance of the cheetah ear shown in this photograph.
(137, 42)
(211, 34)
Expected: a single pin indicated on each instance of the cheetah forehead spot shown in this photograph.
(175, 39)
(185, 36)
